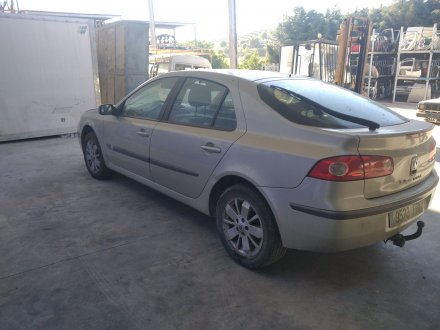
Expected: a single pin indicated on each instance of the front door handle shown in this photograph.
(211, 148)
(143, 133)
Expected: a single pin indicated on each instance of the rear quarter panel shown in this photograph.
(275, 152)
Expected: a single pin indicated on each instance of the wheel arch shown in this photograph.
(86, 129)
(228, 181)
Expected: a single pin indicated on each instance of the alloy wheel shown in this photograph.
(243, 227)
(93, 156)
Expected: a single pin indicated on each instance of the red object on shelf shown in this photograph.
(355, 48)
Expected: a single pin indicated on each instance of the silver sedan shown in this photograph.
(281, 162)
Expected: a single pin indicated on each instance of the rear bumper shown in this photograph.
(313, 229)
(431, 116)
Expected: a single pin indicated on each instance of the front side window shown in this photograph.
(315, 103)
(204, 103)
(148, 101)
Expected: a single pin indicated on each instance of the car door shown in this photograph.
(201, 126)
(127, 136)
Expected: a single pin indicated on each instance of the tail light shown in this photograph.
(352, 168)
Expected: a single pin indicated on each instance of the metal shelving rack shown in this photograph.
(382, 65)
(418, 64)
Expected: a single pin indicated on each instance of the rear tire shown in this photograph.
(247, 228)
(93, 157)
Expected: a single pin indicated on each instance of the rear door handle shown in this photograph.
(143, 133)
(211, 148)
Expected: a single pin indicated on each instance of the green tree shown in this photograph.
(403, 13)
(254, 43)
(303, 26)
(273, 50)
(408, 13)
(219, 60)
(291, 30)
(332, 21)
(199, 44)
(252, 61)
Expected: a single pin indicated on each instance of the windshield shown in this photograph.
(315, 103)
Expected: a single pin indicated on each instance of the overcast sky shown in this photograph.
(210, 16)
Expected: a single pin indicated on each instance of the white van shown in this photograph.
(160, 64)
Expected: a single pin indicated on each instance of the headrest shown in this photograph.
(199, 95)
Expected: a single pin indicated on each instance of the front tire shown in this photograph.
(247, 228)
(93, 157)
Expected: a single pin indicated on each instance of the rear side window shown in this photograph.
(226, 116)
(312, 103)
(204, 103)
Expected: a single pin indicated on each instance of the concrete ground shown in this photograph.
(77, 253)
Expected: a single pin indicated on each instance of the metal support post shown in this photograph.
(232, 36)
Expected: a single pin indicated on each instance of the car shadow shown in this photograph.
(362, 265)
(342, 269)
(191, 215)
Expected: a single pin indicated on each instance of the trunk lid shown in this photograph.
(410, 145)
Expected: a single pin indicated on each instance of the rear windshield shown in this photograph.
(315, 103)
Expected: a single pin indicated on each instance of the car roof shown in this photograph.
(249, 75)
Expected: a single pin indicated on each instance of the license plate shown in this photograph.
(402, 215)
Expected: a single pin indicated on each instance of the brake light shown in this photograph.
(352, 168)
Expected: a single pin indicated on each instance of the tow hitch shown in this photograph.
(400, 239)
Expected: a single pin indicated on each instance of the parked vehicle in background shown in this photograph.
(430, 110)
(280, 162)
(160, 64)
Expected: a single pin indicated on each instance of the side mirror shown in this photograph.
(109, 109)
